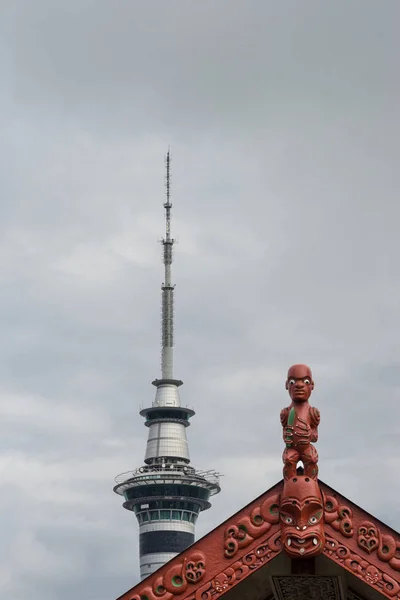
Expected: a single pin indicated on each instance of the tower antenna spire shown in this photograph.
(167, 298)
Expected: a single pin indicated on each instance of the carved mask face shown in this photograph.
(301, 515)
(368, 536)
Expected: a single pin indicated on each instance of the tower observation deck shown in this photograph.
(166, 493)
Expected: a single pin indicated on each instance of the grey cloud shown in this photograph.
(179, 64)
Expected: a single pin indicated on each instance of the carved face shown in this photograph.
(299, 383)
(301, 515)
(368, 536)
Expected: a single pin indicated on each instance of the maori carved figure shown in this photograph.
(301, 507)
(301, 514)
(300, 424)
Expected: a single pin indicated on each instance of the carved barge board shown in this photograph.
(250, 539)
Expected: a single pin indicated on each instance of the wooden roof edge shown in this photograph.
(250, 538)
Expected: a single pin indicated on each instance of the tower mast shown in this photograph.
(166, 493)
(167, 322)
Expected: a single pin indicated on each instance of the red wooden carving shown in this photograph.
(361, 544)
(175, 580)
(300, 424)
(208, 569)
(205, 570)
(371, 539)
(363, 568)
(301, 515)
(301, 506)
(339, 516)
(240, 569)
(368, 537)
(250, 527)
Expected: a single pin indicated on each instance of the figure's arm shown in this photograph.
(284, 420)
(315, 419)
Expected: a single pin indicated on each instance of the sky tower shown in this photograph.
(166, 493)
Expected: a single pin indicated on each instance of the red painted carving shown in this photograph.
(301, 507)
(250, 527)
(389, 551)
(363, 569)
(339, 516)
(176, 579)
(206, 571)
(239, 570)
(203, 570)
(368, 537)
(300, 424)
(301, 515)
(371, 539)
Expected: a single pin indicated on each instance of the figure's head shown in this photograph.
(299, 383)
(301, 514)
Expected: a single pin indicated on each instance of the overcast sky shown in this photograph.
(283, 120)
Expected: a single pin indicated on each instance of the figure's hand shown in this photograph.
(315, 420)
(303, 432)
(288, 436)
(315, 416)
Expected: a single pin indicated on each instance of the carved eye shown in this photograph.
(307, 381)
(288, 520)
(313, 520)
(292, 381)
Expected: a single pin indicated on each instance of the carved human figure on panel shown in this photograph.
(300, 424)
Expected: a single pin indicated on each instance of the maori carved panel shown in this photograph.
(175, 581)
(371, 540)
(239, 570)
(250, 527)
(300, 587)
(339, 516)
(367, 534)
(362, 568)
(205, 573)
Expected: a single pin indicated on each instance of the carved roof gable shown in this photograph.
(365, 553)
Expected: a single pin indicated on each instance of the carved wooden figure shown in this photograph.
(300, 424)
(301, 508)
